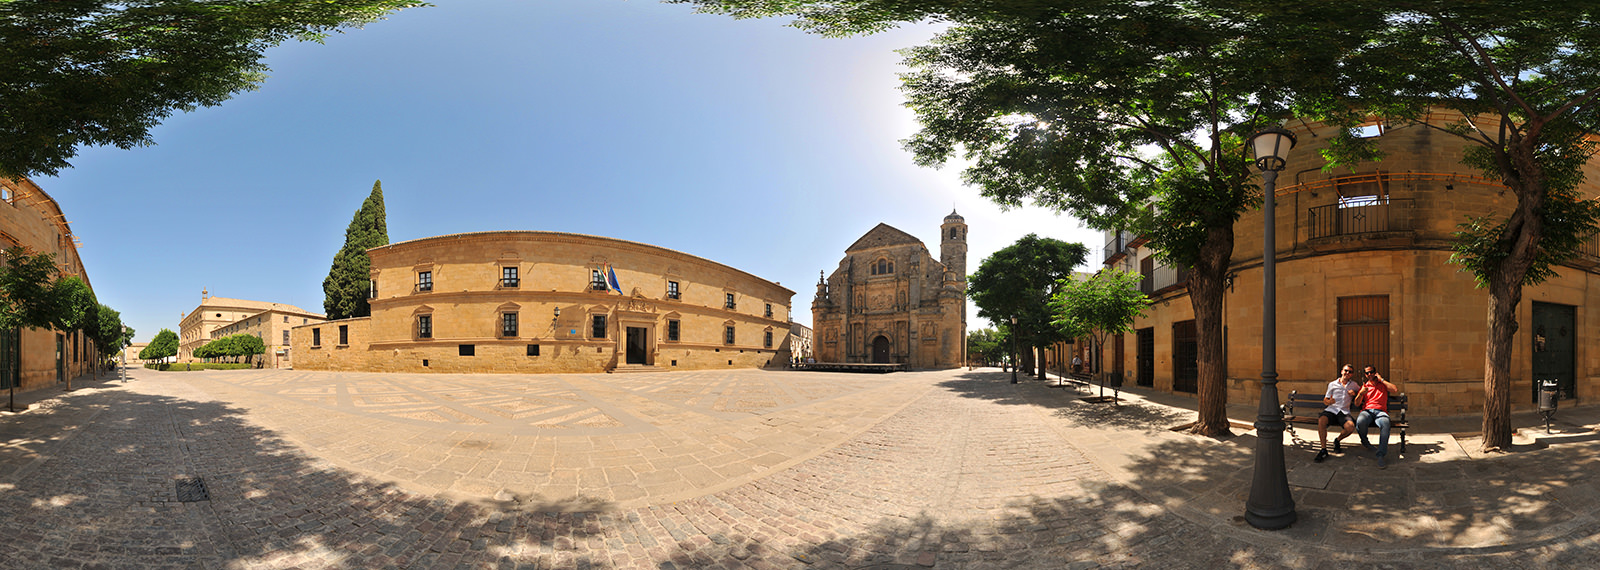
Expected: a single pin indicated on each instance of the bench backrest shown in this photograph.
(1397, 402)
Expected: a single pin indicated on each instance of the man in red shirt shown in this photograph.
(1374, 401)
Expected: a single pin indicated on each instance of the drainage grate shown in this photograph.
(192, 489)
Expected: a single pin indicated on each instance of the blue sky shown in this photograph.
(747, 143)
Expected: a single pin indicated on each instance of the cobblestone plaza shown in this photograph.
(737, 469)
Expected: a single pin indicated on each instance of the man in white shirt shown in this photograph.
(1341, 391)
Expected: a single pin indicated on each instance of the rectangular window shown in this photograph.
(672, 330)
(508, 324)
(508, 277)
(286, 318)
(672, 290)
(533, 350)
(372, 289)
(597, 280)
(424, 326)
(424, 280)
(728, 303)
(316, 337)
(285, 337)
(768, 341)
(344, 334)
(467, 350)
(769, 310)
(727, 335)
(599, 328)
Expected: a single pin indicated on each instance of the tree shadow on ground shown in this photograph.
(105, 496)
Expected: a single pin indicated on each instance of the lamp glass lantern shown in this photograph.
(1272, 148)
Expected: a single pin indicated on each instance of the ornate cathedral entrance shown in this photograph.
(880, 350)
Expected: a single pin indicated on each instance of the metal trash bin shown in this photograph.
(1549, 394)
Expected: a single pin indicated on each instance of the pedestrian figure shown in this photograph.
(1374, 399)
(1341, 392)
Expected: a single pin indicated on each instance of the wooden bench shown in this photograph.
(1305, 408)
(1085, 381)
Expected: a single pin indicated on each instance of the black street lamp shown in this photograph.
(1016, 357)
(1270, 506)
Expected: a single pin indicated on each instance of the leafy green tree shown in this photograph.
(1099, 306)
(111, 335)
(1018, 281)
(76, 311)
(348, 284)
(985, 346)
(104, 72)
(248, 346)
(164, 345)
(27, 298)
(1525, 75)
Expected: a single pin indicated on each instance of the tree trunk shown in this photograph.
(1503, 300)
(1205, 295)
(1041, 361)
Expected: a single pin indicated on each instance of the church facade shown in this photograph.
(891, 301)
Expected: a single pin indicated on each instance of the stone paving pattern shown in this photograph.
(742, 469)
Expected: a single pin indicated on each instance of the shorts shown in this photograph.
(1335, 418)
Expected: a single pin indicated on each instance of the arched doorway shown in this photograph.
(880, 350)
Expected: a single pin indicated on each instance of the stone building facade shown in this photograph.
(891, 301)
(273, 327)
(37, 358)
(218, 317)
(1364, 277)
(529, 302)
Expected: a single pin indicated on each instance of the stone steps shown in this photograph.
(635, 369)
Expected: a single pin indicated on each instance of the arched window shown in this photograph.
(883, 267)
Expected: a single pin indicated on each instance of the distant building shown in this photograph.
(890, 301)
(36, 358)
(528, 301)
(800, 342)
(218, 317)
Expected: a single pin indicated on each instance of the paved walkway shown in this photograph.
(739, 469)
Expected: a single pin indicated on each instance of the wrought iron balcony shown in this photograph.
(1352, 218)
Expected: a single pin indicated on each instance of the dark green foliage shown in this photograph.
(1018, 281)
(76, 307)
(27, 298)
(349, 279)
(165, 344)
(986, 346)
(104, 72)
(196, 366)
(111, 336)
(1100, 305)
(232, 346)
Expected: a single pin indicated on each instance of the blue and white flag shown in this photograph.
(611, 278)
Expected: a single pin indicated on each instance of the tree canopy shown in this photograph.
(232, 346)
(165, 344)
(1018, 281)
(27, 298)
(104, 72)
(349, 284)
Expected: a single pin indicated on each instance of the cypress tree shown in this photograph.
(348, 285)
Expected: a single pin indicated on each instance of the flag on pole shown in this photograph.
(611, 278)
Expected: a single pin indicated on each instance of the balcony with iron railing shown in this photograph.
(1377, 215)
(1117, 247)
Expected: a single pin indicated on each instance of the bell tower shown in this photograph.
(953, 245)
